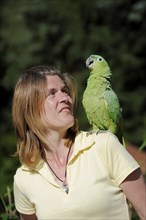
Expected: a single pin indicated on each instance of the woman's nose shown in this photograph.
(63, 97)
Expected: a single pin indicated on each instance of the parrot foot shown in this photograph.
(92, 132)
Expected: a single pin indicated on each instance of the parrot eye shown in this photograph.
(99, 59)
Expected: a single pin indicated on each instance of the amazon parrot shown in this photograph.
(100, 102)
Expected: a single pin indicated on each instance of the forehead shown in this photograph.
(54, 81)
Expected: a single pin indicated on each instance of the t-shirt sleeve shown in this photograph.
(22, 203)
(120, 161)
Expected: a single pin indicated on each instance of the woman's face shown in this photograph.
(58, 105)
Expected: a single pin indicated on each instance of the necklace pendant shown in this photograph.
(65, 188)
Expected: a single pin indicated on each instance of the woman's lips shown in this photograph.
(66, 109)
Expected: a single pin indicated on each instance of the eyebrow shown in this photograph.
(62, 87)
(51, 89)
(65, 87)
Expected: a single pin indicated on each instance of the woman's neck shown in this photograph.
(58, 150)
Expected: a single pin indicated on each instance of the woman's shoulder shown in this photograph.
(20, 176)
(24, 172)
(21, 173)
(97, 138)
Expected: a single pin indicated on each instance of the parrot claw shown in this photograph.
(92, 132)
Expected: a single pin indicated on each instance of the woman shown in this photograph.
(67, 174)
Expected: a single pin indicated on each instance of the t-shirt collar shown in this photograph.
(83, 141)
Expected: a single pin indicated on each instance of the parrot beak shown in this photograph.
(89, 63)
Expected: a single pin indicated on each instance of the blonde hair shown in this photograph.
(27, 113)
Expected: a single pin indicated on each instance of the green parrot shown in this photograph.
(100, 102)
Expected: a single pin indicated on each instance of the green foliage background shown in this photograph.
(64, 33)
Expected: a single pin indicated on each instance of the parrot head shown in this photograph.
(98, 65)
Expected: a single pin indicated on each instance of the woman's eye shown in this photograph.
(65, 90)
(51, 92)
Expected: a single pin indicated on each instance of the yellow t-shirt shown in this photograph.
(98, 165)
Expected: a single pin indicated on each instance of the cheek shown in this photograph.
(70, 100)
(49, 107)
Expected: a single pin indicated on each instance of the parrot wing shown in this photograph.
(112, 105)
(115, 113)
